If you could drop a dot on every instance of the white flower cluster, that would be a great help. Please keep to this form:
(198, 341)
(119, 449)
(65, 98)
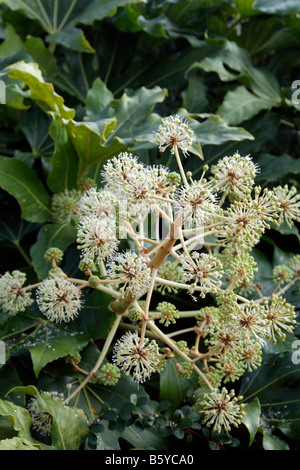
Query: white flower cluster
(174, 131)
(131, 272)
(230, 213)
(129, 354)
(59, 299)
(13, 297)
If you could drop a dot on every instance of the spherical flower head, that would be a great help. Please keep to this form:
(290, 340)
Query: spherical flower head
(174, 131)
(242, 268)
(225, 338)
(86, 265)
(226, 300)
(96, 238)
(104, 204)
(99, 203)
(245, 223)
(294, 265)
(54, 254)
(130, 270)
(235, 174)
(170, 271)
(132, 182)
(173, 178)
(280, 316)
(282, 274)
(13, 296)
(212, 375)
(204, 271)
(109, 374)
(230, 368)
(65, 205)
(206, 317)
(59, 299)
(136, 358)
(289, 203)
(184, 369)
(168, 313)
(41, 420)
(252, 321)
(197, 203)
(222, 410)
(119, 172)
(251, 354)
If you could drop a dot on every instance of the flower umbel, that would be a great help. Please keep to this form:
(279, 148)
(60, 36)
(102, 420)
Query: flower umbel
(289, 202)
(59, 299)
(131, 271)
(221, 410)
(130, 355)
(13, 297)
(280, 316)
(205, 272)
(174, 131)
(96, 238)
(235, 174)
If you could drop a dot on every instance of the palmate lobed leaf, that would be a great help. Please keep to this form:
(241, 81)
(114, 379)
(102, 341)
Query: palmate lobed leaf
(60, 17)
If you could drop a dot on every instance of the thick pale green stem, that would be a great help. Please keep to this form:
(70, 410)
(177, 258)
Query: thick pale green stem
(180, 353)
(101, 358)
(185, 181)
(147, 305)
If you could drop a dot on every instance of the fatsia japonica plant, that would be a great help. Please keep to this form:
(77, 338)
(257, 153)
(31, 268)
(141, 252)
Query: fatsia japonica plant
(182, 235)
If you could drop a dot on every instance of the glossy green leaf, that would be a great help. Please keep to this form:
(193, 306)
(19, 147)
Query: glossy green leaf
(215, 131)
(246, 7)
(71, 37)
(14, 231)
(16, 443)
(172, 387)
(274, 443)
(194, 96)
(231, 62)
(40, 91)
(252, 418)
(12, 42)
(275, 167)
(21, 422)
(52, 342)
(50, 235)
(23, 184)
(97, 99)
(60, 17)
(240, 105)
(41, 54)
(277, 6)
(95, 317)
(69, 425)
(89, 141)
(64, 161)
(275, 385)
(35, 127)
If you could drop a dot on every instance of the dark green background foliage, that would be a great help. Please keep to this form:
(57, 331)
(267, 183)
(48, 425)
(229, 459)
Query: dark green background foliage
(84, 81)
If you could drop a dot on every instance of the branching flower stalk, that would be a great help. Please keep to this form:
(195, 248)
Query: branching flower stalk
(201, 241)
